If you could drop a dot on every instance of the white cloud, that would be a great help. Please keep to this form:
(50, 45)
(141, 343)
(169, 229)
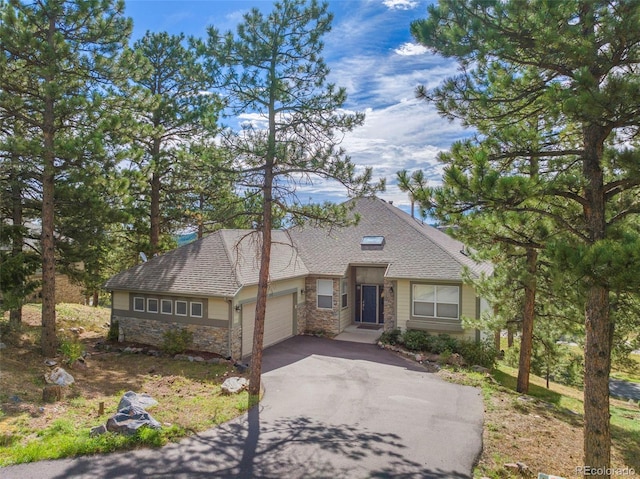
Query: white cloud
(400, 4)
(410, 49)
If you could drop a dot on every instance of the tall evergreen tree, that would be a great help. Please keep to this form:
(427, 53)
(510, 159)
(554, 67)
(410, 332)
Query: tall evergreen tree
(575, 62)
(61, 54)
(272, 69)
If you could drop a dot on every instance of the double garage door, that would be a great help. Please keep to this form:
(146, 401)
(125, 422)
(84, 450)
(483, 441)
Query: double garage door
(278, 324)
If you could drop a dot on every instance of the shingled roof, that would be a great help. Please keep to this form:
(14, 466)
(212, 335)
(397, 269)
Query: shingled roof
(227, 260)
(217, 265)
(411, 250)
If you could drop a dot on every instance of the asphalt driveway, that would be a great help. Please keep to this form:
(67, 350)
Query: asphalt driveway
(331, 410)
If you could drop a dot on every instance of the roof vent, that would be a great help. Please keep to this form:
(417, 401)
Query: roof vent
(372, 242)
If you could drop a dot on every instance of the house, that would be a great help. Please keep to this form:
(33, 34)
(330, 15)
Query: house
(390, 270)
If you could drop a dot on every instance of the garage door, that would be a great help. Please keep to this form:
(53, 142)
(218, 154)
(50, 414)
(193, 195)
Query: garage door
(278, 324)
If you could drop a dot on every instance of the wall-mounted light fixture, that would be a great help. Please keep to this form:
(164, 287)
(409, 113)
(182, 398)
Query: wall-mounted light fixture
(302, 291)
(238, 307)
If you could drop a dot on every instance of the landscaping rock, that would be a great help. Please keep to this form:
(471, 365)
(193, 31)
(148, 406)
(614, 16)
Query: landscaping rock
(217, 361)
(2, 345)
(60, 377)
(50, 362)
(241, 368)
(129, 419)
(520, 467)
(479, 369)
(142, 401)
(98, 430)
(234, 385)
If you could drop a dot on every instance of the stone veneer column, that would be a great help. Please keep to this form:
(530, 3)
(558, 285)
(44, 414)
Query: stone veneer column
(389, 305)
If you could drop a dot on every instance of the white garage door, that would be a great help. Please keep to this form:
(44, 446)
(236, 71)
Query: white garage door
(278, 324)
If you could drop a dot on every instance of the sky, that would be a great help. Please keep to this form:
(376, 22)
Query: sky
(371, 53)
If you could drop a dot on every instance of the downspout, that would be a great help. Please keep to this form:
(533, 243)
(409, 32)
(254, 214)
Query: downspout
(230, 319)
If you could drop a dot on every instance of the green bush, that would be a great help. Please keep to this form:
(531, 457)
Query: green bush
(176, 341)
(71, 350)
(415, 340)
(441, 343)
(393, 336)
(482, 353)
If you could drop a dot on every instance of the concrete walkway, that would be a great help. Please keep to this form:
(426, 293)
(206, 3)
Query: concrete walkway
(331, 409)
(355, 334)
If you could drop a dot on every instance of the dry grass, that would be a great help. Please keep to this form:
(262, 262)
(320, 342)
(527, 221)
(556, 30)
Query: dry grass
(188, 393)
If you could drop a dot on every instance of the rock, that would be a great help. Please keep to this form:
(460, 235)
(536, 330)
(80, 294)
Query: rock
(129, 419)
(98, 430)
(15, 399)
(197, 359)
(79, 363)
(479, 369)
(216, 361)
(2, 345)
(50, 362)
(419, 357)
(241, 368)
(521, 467)
(234, 385)
(60, 377)
(181, 357)
(52, 393)
(142, 401)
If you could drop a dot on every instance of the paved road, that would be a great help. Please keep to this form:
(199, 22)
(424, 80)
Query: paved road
(624, 389)
(331, 410)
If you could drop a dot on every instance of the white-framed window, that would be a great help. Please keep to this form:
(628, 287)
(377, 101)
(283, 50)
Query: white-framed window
(138, 303)
(166, 306)
(152, 305)
(344, 288)
(436, 301)
(325, 293)
(181, 308)
(196, 309)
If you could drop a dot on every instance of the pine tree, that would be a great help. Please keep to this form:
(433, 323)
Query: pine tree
(272, 69)
(576, 64)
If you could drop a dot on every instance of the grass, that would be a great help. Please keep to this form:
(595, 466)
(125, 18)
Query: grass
(188, 394)
(543, 429)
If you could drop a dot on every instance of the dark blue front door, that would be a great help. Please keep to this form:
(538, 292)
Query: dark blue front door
(369, 304)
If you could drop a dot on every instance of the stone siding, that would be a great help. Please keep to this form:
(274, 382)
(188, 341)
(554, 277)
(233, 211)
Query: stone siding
(389, 305)
(147, 331)
(325, 320)
(236, 343)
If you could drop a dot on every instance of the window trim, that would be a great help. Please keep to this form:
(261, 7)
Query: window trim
(318, 295)
(344, 293)
(143, 304)
(186, 308)
(163, 302)
(149, 310)
(191, 304)
(435, 316)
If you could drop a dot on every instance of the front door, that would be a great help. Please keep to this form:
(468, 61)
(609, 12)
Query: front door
(369, 304)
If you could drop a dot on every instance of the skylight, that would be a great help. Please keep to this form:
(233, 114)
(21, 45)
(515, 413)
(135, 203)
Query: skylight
(372, 242)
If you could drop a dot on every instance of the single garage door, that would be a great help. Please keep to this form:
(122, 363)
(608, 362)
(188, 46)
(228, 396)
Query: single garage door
(278, 323)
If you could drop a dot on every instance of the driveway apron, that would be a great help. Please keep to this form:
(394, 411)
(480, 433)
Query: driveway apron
(331, 410)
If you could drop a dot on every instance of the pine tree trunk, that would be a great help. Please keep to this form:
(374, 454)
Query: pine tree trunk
(528, 316)
(154, 217)
(49, 341)
(17, 237)
(263, 285)
(598, 327)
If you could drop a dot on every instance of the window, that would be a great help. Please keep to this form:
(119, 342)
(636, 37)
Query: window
(433, 301)
(152, 305)
(325, 293)
(138, 304)
(166, 306)
(181, 308)
(196, 310)
(344, 286)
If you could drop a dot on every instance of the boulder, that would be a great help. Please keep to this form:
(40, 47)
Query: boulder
(479, 369)
(98, 430)
(60, 377)
(129, 419)
(234, 385)
(142, 401)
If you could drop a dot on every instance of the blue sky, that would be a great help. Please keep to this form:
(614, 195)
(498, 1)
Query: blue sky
(371, 53)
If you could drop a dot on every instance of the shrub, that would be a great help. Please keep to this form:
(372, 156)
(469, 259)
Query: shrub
(415, 340)
(71, 350)
(441, 343)
(391, 337)
(482, 353)
(176, 341)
